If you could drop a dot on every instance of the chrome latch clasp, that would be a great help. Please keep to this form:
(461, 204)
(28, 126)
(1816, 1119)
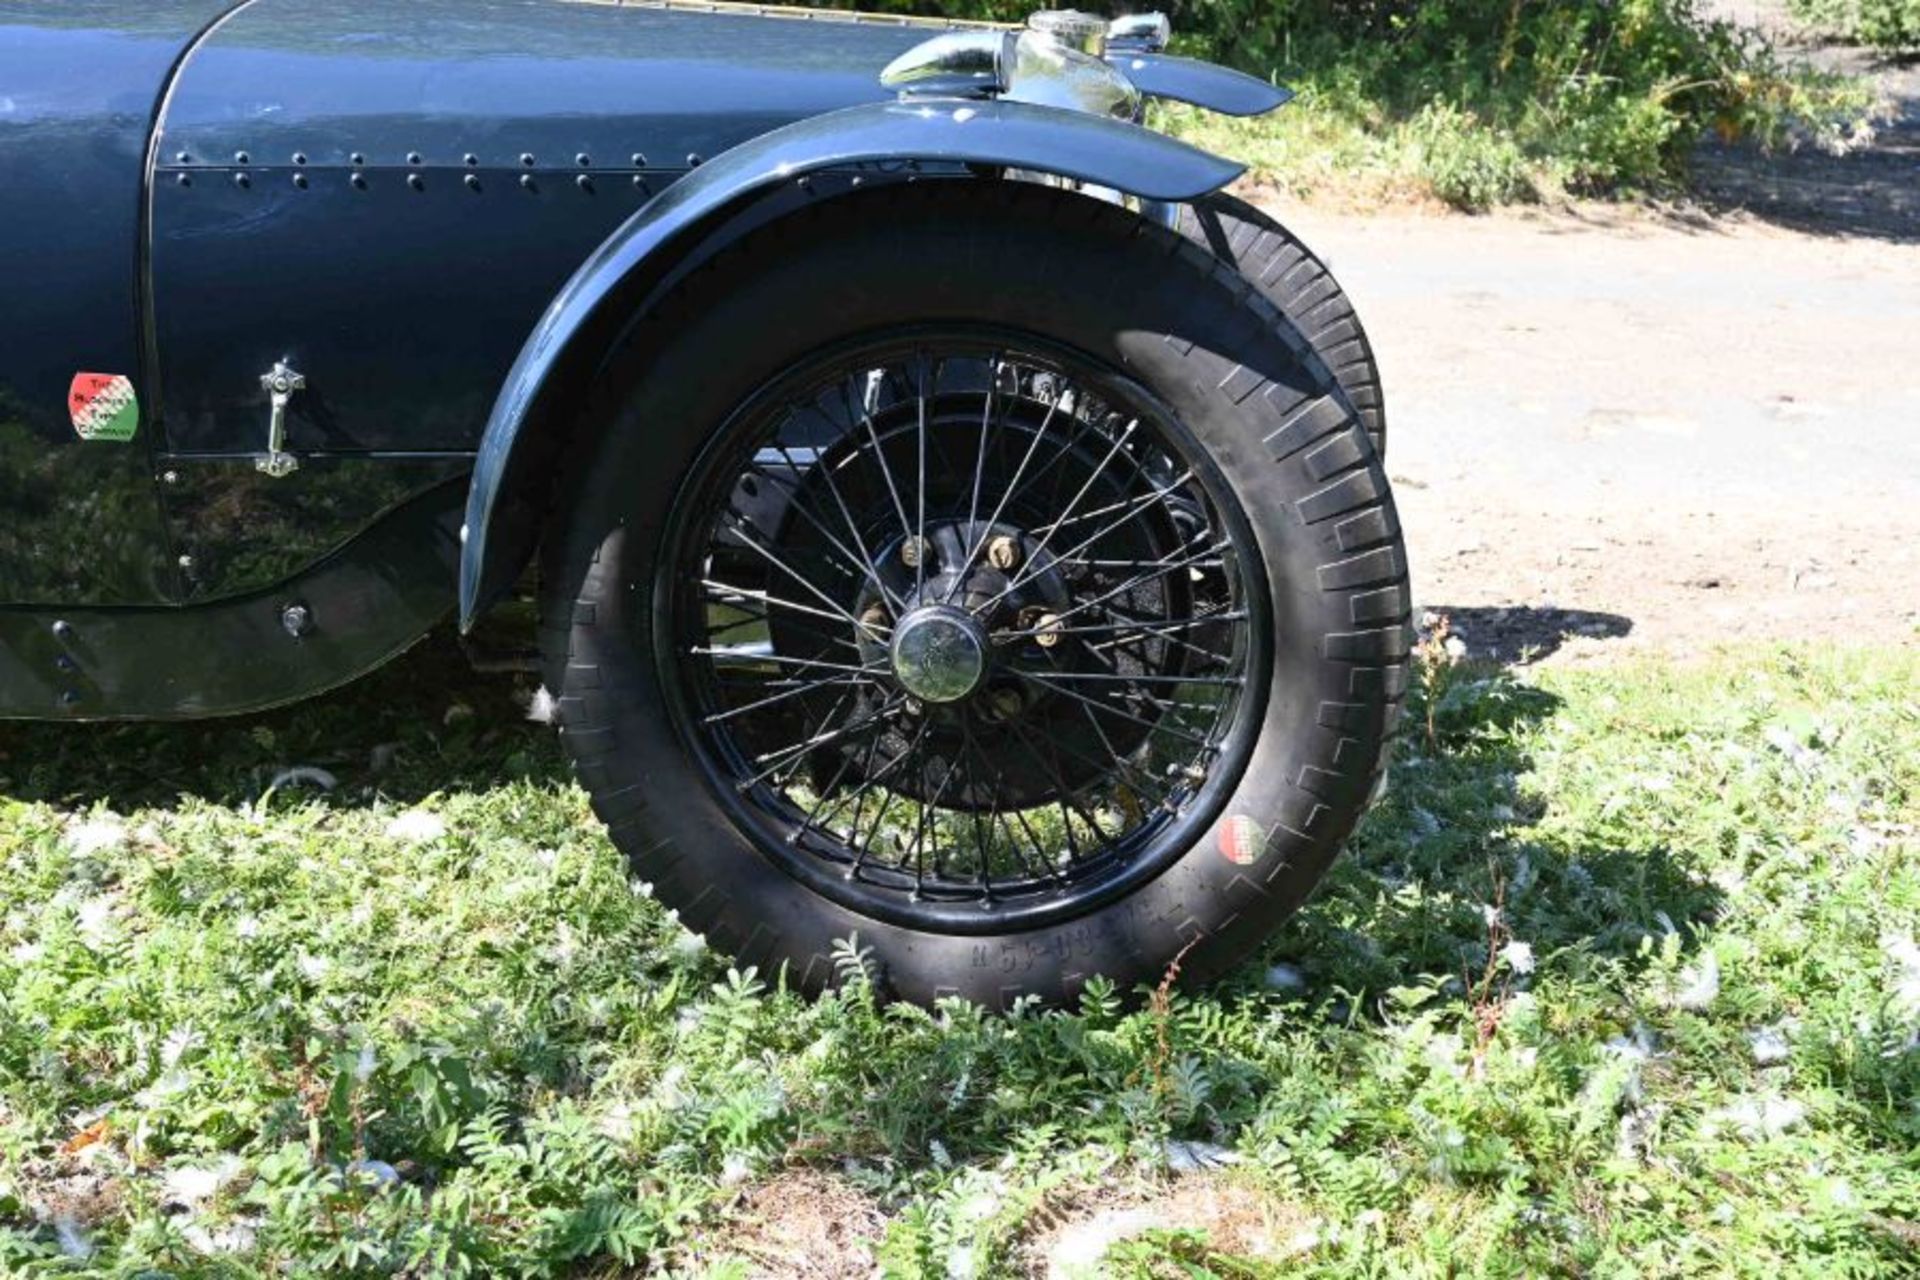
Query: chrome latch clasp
(280, 383)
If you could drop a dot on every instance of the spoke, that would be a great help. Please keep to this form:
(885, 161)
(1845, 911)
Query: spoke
(980, 540)
(1039, 845)
(1143, 778)
(866, 847)
(825, 469)
(1125, 505)
(1139, 505)
(796, 750)
(1133, 582)
(740, 528)
(1131, 564)
(1161, 704)
(837, 636)
(817, 820)
(1119, 677)
(1159, 726)
(982, 843)
(1127, 623)
(929, 825)
(979, 472)
(862, 560)
(784, 779)
(1042, 545)
(730, 591)
(846, 763)
(1132, 644)
(1041, 869)
(1116, 759)
(706, 651)
(1064, 796)
(986, 430)
(794, 692)
(886, 471)
(920, 527)
(1081, 429)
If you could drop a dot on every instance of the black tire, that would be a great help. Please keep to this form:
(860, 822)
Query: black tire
(1302, 289)
(1325, 551)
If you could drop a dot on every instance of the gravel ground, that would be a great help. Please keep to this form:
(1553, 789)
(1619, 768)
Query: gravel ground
(1615, 430)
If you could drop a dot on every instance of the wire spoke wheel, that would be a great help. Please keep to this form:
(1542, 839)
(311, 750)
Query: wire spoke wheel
(963, 627)
(978, 571)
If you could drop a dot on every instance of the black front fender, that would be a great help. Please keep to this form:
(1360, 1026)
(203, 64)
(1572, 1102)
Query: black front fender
(502, 521)
(1200, 84)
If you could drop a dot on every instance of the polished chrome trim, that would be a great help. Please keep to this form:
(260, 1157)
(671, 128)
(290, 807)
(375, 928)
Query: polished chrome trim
(280, 383)
(1140, 33)
(797, 13)
(1031, 67)
(1071, 29)
(960, 64)
(1050, 74)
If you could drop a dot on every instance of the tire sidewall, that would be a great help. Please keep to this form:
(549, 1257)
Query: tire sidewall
(1125, 301)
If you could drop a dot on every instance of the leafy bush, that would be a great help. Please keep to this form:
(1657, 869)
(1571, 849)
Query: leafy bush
(1485, 102)
(1892, 25)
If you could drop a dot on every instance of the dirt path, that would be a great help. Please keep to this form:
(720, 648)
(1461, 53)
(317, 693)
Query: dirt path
(1615, 430)
(1646, 432)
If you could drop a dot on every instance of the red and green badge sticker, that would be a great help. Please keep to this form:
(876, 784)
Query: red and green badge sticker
(1242, 842)
(103, 407)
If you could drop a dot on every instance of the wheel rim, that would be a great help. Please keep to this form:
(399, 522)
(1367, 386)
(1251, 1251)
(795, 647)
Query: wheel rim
(965, 629)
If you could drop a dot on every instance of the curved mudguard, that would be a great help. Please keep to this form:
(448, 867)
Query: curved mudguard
(501, 529)
(1201, 84)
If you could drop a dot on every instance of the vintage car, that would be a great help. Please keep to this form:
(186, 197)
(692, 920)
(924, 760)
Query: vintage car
(958, 528)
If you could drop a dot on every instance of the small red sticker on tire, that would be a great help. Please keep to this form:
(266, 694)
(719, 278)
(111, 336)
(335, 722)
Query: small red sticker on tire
(1242, 841)
(103, 406)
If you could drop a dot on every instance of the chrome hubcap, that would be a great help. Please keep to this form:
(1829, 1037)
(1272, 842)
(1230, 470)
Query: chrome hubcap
(939, 653)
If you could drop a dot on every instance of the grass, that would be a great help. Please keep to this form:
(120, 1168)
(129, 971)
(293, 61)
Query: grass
(1621, 979)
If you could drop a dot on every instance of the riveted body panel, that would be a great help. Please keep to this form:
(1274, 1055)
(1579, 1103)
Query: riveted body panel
(403, 304)
(388, 196)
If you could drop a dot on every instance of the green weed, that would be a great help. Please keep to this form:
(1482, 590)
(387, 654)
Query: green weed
(1620, 978)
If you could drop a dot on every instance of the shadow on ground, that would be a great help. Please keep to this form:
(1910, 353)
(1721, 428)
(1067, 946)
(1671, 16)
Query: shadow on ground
(1409, 898)
(427, 722)
(1450, 865)
(1520, 634)
(1872, 190)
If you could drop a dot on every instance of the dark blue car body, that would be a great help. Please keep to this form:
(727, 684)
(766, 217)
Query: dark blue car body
(436, 212)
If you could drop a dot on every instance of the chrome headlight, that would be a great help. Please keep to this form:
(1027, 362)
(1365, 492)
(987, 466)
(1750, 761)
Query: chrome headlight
(959, 64)
(1053, 74)
(1140, 33)
(1072, 29)
(1054, 63)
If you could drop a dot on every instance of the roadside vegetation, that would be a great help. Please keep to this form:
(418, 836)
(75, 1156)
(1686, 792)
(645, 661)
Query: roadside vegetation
(1892, 26)
(1622, 978)
(1477, 104)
